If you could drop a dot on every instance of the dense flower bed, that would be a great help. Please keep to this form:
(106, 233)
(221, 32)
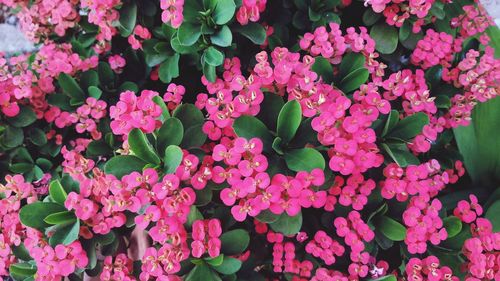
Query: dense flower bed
(247, 140)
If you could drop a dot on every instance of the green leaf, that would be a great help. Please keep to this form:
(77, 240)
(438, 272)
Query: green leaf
(21, 252)
(224, 11)
(386, 38)
(234, 242)
(165, 114)
(323, 68)
(194, 137)
(453, 226)
(223, 37)
(212, 56)
(189, 115)
(22, 269)
(209, 72)
(12, 137)
(128, 18)
(267, 216)
(289, 120)
(493, 215)
(194, 214)
(170, 133)
(370, 17)
(479, 145)
(70, 87)
(390, 228)
(250, 127)
(37, 136)
(33, 214)
(409, 127)
(391, 122)
(215, 261)
(169, 68)
(270, 109)
(201, 272)
(353, 80)
(253, 31)
(141, 147)
(228, 266)
(405, 31)
(121, 165)
(351, 62)
(57, 192)
(172, 159)
(400, 154)
(25, 117)
(188, 33)
(65, 234)
(94, 92)
(106, 74)
(288, 225)
(389, 277)
(64, 217)
(304, 159)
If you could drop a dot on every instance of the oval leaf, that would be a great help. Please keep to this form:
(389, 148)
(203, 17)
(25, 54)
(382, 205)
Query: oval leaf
(288, 225)
(304, 159)
(386, 37)
(172, 159)
(390, 228)
(33, 214)
(57, 192)
(123, 165)
(141, 147)
(289, 120)
(234, 242)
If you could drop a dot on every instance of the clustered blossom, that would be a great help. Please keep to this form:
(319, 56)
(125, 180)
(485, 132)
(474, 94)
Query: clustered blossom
(428, 269)
(86, 117)
(324, 247)
(435, 49)
(133, 111)
(55, 263)
(397, 12)
(250, 10)
(205, 234)
(32, 84)
(425, 179)
(468, 212)
(39, 19)
(103, 14)
(475, 20)
(478, 76)
(482, 252)
(172, 12)
(354, 231)
(13, 232)
(117, 268)
(140, 34)
(424, 224)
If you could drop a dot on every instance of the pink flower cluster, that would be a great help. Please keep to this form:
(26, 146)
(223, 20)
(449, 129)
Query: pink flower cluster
(103, 14)
(161, 264)
(475, 20)
(205, 234)
(424, 224)
(140, 34)
(396, 12)
(477, 75)
(172, 12)
(135, 112)
(41, 18)
(117, 268)
(21, 84)
(86, 117)
(428, 269)
(250, 10)
(58, 262)
(324, 247)
(354, 231)
(13, 232)
(482, 252)
(468, 212)
(436, 49)
(333, 45)
(425, 180)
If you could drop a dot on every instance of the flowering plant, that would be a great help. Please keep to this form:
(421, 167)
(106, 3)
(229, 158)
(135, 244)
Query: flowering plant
(251, 140)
